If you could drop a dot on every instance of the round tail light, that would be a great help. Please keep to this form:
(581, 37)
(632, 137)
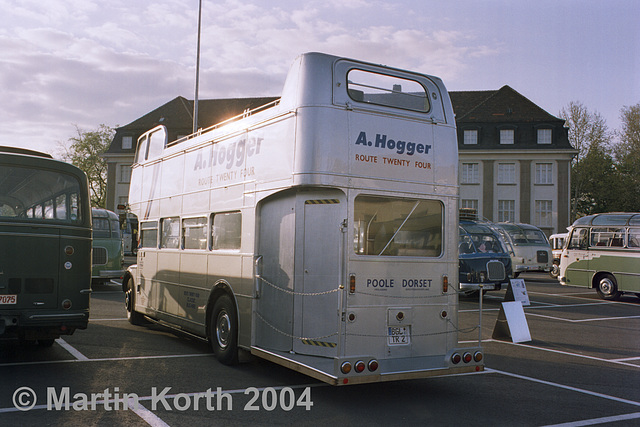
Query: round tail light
(345, 367)
(467, 357)
(359, 366)
(373, 365)
(456, 358)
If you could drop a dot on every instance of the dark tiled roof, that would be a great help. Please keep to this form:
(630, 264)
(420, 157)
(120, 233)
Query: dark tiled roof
(177, 116)
(502, 105)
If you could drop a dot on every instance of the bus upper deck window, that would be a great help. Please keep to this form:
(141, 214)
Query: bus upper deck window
(386, 90)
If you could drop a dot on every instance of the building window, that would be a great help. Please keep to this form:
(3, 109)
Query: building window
(506, 173)
(543, 213)
(125, 173)
(506, 210)
(470, 137)
(544, 136)
(127, 142)
(470, 174)
(544, 173)
(469, 204)
(506, 136)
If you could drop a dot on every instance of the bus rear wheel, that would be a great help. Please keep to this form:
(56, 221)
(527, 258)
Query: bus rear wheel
(223, 331)
(607, 288)
(134, 317)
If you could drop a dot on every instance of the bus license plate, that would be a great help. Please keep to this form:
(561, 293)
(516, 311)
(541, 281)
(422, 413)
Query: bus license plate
(399, 335)
(8, 299)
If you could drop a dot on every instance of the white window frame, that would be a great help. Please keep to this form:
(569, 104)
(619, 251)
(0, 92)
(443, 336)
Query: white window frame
(127, 142)
(469, 204)
(506, 211)
(543, 213)
(544, 174)
(545, 136)
(506, 173)
(125, 174)
(507, 136)
(470, 173)
(471, 137)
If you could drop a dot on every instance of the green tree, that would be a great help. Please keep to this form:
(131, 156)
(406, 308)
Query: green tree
(592, 170)
(85, 151)
(627, 153)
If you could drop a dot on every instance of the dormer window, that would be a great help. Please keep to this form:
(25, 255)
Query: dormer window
(506, 136)
(470, 137)
(127, 142)
(544, 136)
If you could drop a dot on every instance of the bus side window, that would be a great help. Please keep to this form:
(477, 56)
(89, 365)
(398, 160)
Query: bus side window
(149, 235)
(634, 238)
(170, 233)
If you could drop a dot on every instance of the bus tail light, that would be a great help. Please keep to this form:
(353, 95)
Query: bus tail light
(477, 356)
(445, 284)
(66, 304)
(359, 367)
(345, 367)
(456, 358)
(352, 284)
(467, 357)
(373, 365)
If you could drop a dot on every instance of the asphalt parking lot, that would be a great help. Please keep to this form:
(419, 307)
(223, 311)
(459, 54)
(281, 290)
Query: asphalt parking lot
(582, 367)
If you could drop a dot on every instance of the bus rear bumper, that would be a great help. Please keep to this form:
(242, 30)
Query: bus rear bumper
(41, 326)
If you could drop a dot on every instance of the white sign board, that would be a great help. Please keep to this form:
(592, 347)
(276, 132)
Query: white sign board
(520, 291)
(518, 327)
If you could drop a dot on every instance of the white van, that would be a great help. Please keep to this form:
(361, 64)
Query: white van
(527, 245)
(557, 242)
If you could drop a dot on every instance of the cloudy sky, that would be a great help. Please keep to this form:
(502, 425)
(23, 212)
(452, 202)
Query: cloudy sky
(87, 62)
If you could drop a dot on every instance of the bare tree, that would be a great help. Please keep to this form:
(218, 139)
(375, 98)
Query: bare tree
(85, 151)
(589, 134)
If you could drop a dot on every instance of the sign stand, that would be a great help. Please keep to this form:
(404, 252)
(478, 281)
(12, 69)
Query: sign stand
(511, 324)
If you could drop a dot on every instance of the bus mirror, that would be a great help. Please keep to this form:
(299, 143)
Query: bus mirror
(123, 220)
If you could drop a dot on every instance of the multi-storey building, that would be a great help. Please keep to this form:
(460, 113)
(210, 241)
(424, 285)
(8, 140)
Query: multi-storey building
(514, 157)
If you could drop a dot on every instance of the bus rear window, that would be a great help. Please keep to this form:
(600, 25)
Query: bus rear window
(387, 226)
(30, 193)
(390, 91)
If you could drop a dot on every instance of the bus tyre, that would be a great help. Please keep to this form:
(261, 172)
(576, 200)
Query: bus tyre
(46, 342)
(607, 288)
(223, 331)
(134, 317)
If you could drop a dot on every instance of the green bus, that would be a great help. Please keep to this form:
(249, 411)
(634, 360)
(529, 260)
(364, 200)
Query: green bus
(108, 250)
(603, 252)
(45, 247)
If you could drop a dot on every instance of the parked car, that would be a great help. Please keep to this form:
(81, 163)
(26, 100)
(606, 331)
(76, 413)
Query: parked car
(527, 245)
(557, 243)
(483, 258)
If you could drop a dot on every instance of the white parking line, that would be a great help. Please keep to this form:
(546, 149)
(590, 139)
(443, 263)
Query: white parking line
(602, 420)
(105, 359)
(566, 353)
(75, 353)
(595, 319)
(566, 387)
